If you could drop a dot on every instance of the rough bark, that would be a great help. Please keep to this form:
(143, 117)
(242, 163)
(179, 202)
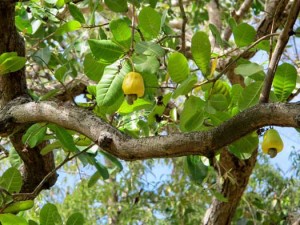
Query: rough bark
(127, 148)
(221, 212)
(12, 86)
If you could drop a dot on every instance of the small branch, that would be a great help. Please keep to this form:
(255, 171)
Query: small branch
(238, 15)
(278, 51)
(227, 68)
(37, 190)
(183, 26)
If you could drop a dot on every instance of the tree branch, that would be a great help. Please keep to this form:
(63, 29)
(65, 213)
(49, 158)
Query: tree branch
(238, 15)
(280, 46)
(124, 147)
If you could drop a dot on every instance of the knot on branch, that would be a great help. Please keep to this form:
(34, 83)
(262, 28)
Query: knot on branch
(105, 140)
(8, 125)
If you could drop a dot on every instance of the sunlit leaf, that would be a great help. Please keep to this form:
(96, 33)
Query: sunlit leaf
(105, 50)
(121, 32)
(244, 147)
(49, 215)
(248, 69)
(64, 137)
(201, 50)
(76, 13)
(244, 34)
(250, 95)
(93, 69)
(109, 88)
(10, 219)
(34, 134)
(12, 64)
(284, 81)
(75, 219)
(178, 67)
(70, 26)
(192, 115)
(11, 180)
(149, 21)
(186, 86)
(117, 5)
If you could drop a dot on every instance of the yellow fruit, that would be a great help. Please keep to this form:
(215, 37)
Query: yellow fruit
(133, 86)
(272, 143)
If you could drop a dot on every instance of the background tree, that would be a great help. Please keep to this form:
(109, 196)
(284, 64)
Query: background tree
(204, 99)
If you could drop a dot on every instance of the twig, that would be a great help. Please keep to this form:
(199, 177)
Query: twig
(280, 46)
(184, 22)
(22, 196)
(236, 59)
(237, 16)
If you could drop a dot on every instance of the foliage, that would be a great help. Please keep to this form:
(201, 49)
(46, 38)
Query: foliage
(102, 41)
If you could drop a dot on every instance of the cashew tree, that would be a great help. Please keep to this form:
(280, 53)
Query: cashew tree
(98, 82)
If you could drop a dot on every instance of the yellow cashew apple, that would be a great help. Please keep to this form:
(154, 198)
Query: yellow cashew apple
(133, 86)
(272, 143)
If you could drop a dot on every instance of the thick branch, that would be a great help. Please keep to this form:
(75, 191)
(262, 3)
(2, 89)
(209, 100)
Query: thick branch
(127, 148)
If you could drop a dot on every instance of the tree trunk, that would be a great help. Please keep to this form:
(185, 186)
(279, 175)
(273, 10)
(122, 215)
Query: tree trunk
(235, 174)
(13, 85)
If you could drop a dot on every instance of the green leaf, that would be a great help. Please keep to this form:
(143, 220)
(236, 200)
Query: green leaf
(244, 34)
(244, 147)
(146, 64)
(219, 196)
(42, 56)
(75, 219)
(250, 95)
(50, 147)
(76, 13)
(201, 51)
(49, 95)
(11, 180)
(139, 104)
(100, 168)
(49, 215)
(12, 64)
(60, 73)
(121, 32)
(192, 115)
(236, 92)
(105, 50)
(93, 69)
(94, 178)
(248, 69)
(23, 25)
(70, 26)
(284, 81)
(158, 110)
(109, 88)
(34, 134)
(149, 48)
(215, 32)
(64, 137)
(113, 159)
(7, 55)
(186, 86)
(297, 31)
(195, 168)
(10, 219)
(149, 22)
(117, 5)
(178, 67)
(219, 102)
(219, 117)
